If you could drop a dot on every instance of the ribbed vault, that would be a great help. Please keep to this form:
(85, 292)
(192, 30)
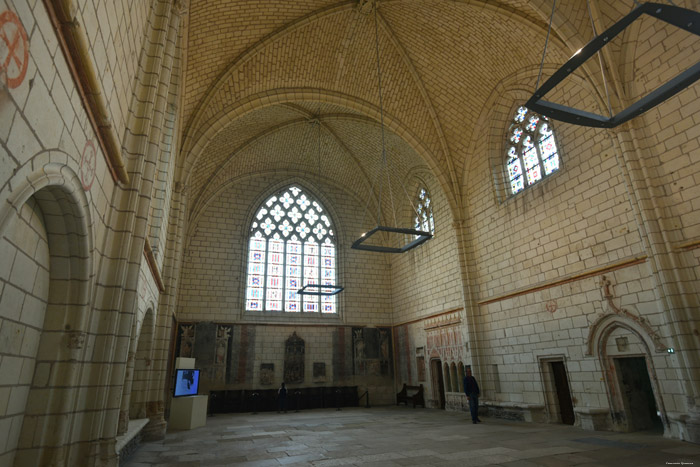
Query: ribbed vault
(271, 66)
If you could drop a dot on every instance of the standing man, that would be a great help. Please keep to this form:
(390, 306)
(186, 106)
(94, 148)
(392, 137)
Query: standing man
(282, 399)
(471, 389)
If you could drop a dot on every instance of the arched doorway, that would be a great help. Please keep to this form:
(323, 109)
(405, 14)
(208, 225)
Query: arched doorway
(143, 362)
(624, 348)
(142, 330)
(437, 382)
(46, 251)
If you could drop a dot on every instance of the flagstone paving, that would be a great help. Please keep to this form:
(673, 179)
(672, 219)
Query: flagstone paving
(398, 436)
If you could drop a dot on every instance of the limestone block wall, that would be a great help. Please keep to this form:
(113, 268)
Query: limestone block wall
(24, 282)
(521, 334)
(427, 279)
(115, 31)
(52, 165)
(212, 287)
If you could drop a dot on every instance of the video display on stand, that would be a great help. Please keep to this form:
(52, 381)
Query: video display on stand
(186, 383)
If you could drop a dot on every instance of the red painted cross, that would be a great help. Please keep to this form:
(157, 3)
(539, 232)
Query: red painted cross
(14, 38)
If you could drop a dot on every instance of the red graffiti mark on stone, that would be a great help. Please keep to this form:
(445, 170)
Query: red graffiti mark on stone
(551, 306)
(88, 165)
(14, 49)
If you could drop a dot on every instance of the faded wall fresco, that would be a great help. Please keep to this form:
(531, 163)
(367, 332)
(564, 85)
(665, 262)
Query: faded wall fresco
(294, 353)
(372, 353)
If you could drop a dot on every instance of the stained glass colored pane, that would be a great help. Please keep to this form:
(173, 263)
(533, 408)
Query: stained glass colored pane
(274, 282)
(531, 150)
(275, 270)
(532, 123)
(293, 284)
(423, 220)
(311, 249)
(514, 169)
(551, 164)
(530, 158)
(279, 263)
(254, 293)
(255, 281)
(293, 247)
(256, 256)
(516, 135)
(328, 304)
(311, 273)
(533, 175)
(276, 258)
(516, 184)
(256, 268)
(548, 147)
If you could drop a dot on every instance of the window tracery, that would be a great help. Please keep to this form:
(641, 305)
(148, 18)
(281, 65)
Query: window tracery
(291, 245)
(532, 153)
(423, 219)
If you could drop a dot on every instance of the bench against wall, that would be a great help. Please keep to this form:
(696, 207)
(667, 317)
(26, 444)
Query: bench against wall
(413, 394)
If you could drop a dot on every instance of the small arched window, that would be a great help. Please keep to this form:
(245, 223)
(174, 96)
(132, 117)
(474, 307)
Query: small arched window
(423, 219)
(531, 153)
(291, 245)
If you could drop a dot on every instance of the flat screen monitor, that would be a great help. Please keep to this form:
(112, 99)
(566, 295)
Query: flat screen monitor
(186, 383)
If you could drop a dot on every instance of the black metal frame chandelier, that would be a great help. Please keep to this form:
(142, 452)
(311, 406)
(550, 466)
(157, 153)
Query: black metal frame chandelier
(320, 289)
(420, 236)
(682, 18)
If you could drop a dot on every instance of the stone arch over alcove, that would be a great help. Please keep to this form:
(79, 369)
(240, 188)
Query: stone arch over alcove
(620, 335)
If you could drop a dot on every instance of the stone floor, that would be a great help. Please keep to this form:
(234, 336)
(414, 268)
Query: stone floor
(387, 436)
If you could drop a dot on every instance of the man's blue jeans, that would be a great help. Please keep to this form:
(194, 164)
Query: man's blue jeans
(474, 406)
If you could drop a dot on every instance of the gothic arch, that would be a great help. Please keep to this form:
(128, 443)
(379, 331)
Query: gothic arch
(598, 340)
(53, 401)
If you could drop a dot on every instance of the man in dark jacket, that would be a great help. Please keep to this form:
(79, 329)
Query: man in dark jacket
(471, 389)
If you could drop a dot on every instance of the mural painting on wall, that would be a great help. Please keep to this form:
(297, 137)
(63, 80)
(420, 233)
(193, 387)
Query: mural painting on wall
(420, 363)
(186, 340)
(267, 373)
(223, 337)
(294, 352)
(372, 351)
(319, 372)
(447, 342)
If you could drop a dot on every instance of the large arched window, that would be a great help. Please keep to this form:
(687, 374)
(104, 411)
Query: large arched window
(532, 150)
(291, 245)
(423, 219)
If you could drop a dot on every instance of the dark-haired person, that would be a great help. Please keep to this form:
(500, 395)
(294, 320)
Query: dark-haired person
(471, 389)
(282, 399)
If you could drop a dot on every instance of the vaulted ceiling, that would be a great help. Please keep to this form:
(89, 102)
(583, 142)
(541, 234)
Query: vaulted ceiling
(257, 72)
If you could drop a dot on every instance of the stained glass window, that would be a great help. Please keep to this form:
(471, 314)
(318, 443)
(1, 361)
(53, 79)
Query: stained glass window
(423, 219)
(531, 152)
(291, 245)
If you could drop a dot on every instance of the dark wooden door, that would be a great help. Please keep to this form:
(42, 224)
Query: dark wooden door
(635, 386)
(561, 382)
(436, 373)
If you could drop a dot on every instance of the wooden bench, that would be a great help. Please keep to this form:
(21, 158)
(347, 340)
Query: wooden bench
(412, 394)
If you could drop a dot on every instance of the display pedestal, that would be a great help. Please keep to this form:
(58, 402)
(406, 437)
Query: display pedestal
(188, 412)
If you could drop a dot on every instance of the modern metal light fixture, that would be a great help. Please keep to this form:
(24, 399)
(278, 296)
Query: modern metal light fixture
(682, 18)
(418, 235)
(320, 289)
